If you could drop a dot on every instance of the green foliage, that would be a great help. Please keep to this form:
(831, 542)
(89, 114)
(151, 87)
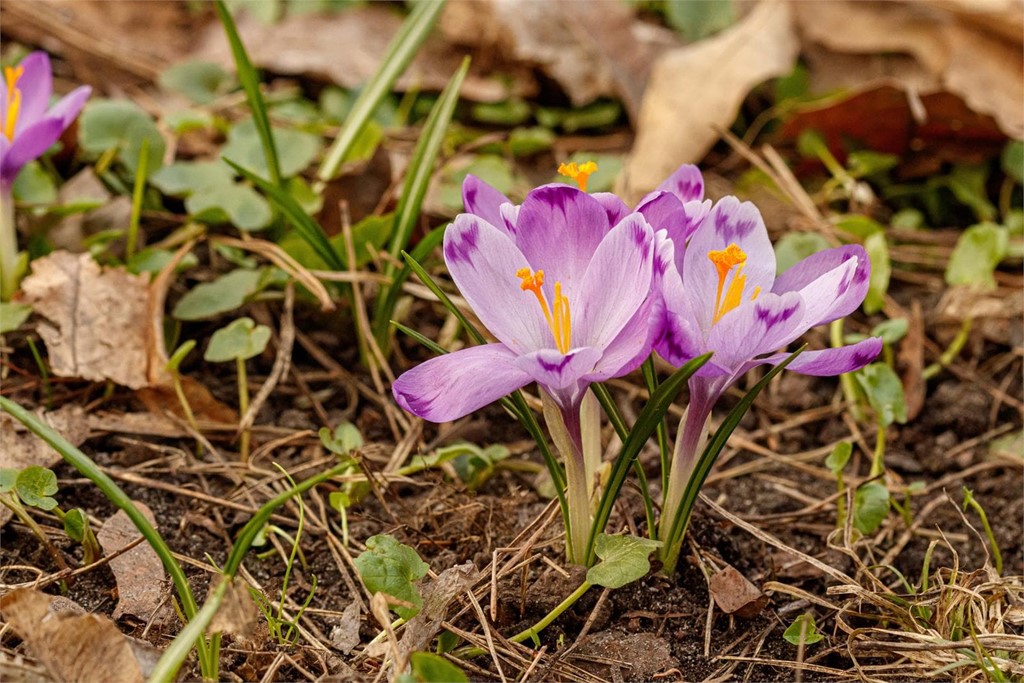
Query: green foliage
(390, 567)
(34, 185)
(864, 163)
(1012, 160)
(794, 247)
(803, 625)
(977, 253)
(12, 315)
(120, 125)
(870, 506)
(8, 478)
(523, 142)
(884, 392)
(881, 269)
(497, 171)
(226, 293)
(184, 178)
(598, 115)
(839, 457)
(624, 559)
(35, 487)
(202, 82)
(343, 440)
(153, 260)
(891, 331)
(968, 185)
(697, 19)
(187, 120)
(76, 525)
(368, 236)
(237, 204)
(240, 340)
(426, 667)
(296, 149)
(859, 226)
(509, 113)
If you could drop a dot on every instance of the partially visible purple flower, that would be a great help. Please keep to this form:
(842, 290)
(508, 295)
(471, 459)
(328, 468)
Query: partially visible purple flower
(28, 124)
(564, 288)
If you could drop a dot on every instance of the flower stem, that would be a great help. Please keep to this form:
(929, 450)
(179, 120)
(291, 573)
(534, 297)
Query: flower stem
(564, 426)
(8, 245)
(243, 407)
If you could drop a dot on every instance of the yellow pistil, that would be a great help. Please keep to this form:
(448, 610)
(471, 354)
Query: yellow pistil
(11, 75)
(725, 260)
(578, 172)
(558, 318)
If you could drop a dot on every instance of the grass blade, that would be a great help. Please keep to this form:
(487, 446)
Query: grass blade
(401, 50)
(646, 423)
(417, 178)
(250, 81)
(307, 228)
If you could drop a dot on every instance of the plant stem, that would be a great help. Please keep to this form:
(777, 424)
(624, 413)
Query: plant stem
(12, 504)
(846, 380)
(878, 461)
(137, 191)
(243, 407)
(8, 245)
(950, 354)
(577, 486)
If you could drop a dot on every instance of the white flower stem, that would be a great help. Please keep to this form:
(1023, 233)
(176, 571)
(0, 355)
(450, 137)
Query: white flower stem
(564, 426)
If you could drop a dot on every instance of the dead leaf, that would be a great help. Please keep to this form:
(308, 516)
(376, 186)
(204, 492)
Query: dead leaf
(140, 576)
(237, 613)
(345, 48)
(735, 594)
(74, 646)
(952, 49)
(345, 633)
(642, 655)
(696, 88)
(97, 318)
(20, 448)
(422, 628)
(162, 399)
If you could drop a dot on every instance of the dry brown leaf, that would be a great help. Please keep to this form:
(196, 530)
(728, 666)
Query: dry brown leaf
(953, 50)
(237, 613)
(20, 448)
(345, 48)
(646, 655)
(735, 594)
(422, 628)
(74, 646)
(696, 88)
(140, 576)
(97, 318)
(345, 633)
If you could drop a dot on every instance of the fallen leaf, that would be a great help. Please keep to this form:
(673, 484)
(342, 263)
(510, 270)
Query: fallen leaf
(735, 594)
(237, 613)
(74, 646)
(422, 628)
(345, 633)
(97, 318)
(642, 655)
(20, 448)
(697, 88)
(140, 576)
(345, 48)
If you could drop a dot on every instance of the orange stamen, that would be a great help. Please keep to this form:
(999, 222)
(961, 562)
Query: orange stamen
(11, 75)
(578, 172)
(724, 261)
(558, 317)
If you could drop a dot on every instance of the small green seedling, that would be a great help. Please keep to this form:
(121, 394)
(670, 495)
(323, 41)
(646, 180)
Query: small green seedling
(803, 630)
(425, 667)
(970, 502)
(390, 567)
(172, 367)
(344, 442)
(35, 486)
(239, 341)
(836, 462)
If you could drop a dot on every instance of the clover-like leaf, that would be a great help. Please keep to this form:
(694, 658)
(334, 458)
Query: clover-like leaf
(343, 440)
(35, 486)
(390, 567)
(870, 506)
(837, 459)
(75, 524)
(427, 667)
(8, 478)
(124, 126)
(224, 294)
(977, 253)
(884, 390)
(624, 559)
(183, 178)
(237, 204)
(803, 629)
(202, 82)
(240, 340)
(296, 149)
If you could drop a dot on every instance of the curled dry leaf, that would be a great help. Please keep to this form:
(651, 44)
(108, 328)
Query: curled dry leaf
(74, 646)
(735, 594)
(345, 633)
(141, 580)
(696, 89)
(20, 448)
(422, 628)
(237, 614)
(97, 318)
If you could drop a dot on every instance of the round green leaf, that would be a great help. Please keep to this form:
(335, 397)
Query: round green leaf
(795, 247)
(35, 485)
(202, 82)
(121, 125)
(623, 560)
(224, 294)
(296, 149)
(183, 178)
(870, 506)
(241, 339)
(390, 567)
(237, 204)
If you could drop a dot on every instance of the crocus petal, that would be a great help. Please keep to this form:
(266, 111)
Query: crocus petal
(632, 345)
(616, 208)
(452, 386)
(757, 327)
(617, 281)
(828, 362)
(560, 374)
(664, 211)
(679, 336)
(29, 144)
(832, 282)
(483, 261)
(686, 183)
(36, 86)
(67, 109)
(730, 222)
(558, 229)
(480, 199)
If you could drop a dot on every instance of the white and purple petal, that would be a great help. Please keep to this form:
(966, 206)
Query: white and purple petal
(756, 327)
(833, 282)
(36, 86)
(828, 362)
(449, 387)
(615, 207)
(686, 183)
(480, 199)
(483, 261)
(29, 144)
(561, 374)
(70, 105)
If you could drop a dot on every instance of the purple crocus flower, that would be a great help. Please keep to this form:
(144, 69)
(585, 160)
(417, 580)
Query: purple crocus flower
(28, 127)
(566, 287)
(29, 124)
(723, 296)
